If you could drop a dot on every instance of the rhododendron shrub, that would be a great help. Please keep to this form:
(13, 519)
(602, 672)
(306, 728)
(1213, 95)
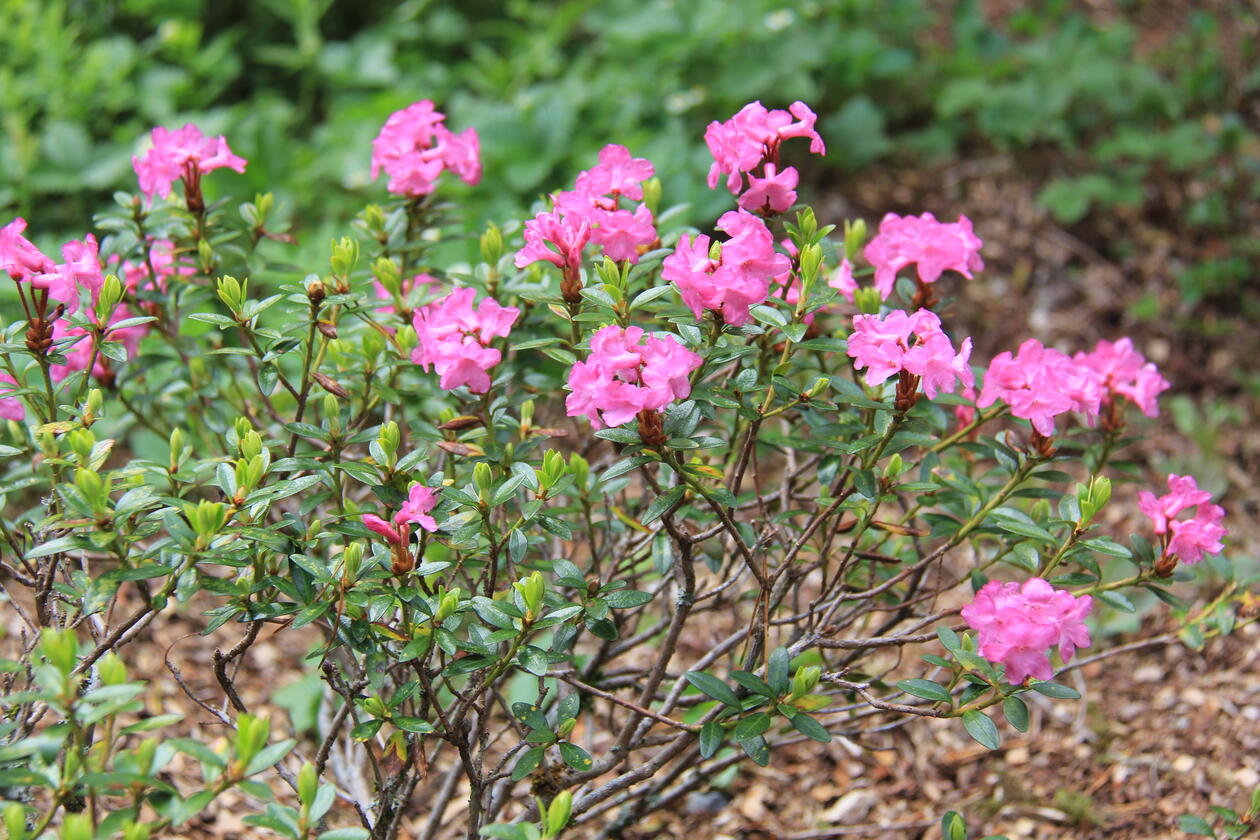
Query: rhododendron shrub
(554, 536)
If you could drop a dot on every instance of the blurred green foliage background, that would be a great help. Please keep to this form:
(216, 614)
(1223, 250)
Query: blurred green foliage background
(1098, 101)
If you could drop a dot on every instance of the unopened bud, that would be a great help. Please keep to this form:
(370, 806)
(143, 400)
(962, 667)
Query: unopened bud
(387, 274)
(652, 194)
(492, 245)
(315, 291)
(868, 300)
(854, 237)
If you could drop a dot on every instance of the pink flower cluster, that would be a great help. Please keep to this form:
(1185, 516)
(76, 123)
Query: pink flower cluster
(414, 511)
(750, 141)
(62, 281)
(557, 239)
(454, 338)
(1191, 538)
(883, 346)
(79, 352)
(733, 281)
(414, 147)
(627, 372)
(1040, 383)
(165, 264)
(593, 212)
(1121, 371)
(184, 153)
(426, 283)
(11, 408)
(1017, 625)
(933, 247)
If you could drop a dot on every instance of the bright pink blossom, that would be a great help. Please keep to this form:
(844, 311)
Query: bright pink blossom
(934, 247)
(1191, 538)
(425, 282)
(1183, 494)
(454, 338)
(555, 238)
(414, 511)
(18, 256)
(842, 280)
(774, 193)
(414, 147)
(79, 352)
(11, 408)
(596, 202)
(752, 137)
(627, 372)
(738, 279)
(1121, 371)
(884, 347)
(81, 270)
(1017, 625)
(1040, 383)
(618, 173)
(181, 153)
(165, 265)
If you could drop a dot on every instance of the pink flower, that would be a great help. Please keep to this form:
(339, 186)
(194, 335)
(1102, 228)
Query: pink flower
(182, 153)
(11, 408)
(81, 270)
(415, 146)
(79, 353)
(1039, 384)
(883, 346)
(414, 511)
(165, 265)
(18, 256)
(1121, 371)
(596, 202)
(933, 246)
(1192, 538)
(774, 193)
(738, 279)
(454, 338)
(1184, 493)
(752, 137)
(555, 238)
(628, 372)
(620, 233)
(616, 174)
(842, 280)
(426, 282)
(1017, 625)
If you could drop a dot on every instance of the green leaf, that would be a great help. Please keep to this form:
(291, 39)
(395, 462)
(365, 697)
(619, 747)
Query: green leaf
(662, 503)
(413, 724)
(1116, 601)
(1056, 690)
(626, 598)
(345, 834)
(575, 756)
(752, 726)
(926, 689)
(758, 750)
(1194, 824)
(710, 738)
(981, 727)
(1016, 712)
(527, 762)
(366, 729)
(753, 683)
(777, 672)
(713, 687)
(810, 728)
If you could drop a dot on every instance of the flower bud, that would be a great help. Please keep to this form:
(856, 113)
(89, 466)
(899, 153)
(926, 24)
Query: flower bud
(527, 416)
(483, 477)
(205, 253)
(854, 237)
(387, 274)
(232, 292)
(110, 296)
(390, 437)
(308, 784)
(315, 291)
(375, 707)
(558, 813)
(345, 255)
(652, 194)
(868, 300)
(352, 560)
(566, 727)
(95, 401)
(715, 251)
(374, 218)
(177, 449)
(492, 245)
(580, 468)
